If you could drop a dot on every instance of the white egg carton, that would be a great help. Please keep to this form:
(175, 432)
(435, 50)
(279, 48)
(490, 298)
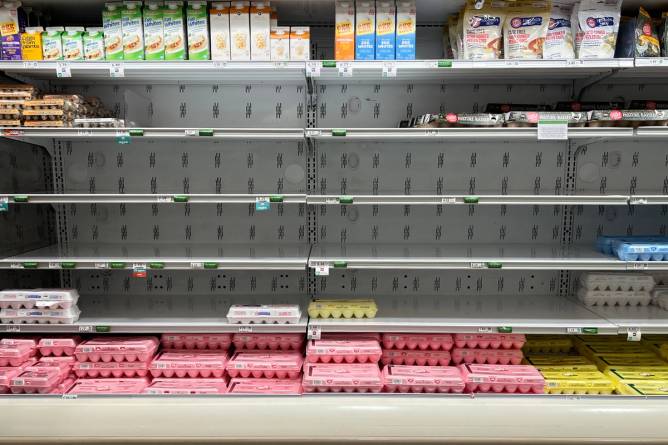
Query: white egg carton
(39, 316)
(661, 279)
(614, 298)
(660, 297)
(617, 281)
(38, 298)
(264, 313)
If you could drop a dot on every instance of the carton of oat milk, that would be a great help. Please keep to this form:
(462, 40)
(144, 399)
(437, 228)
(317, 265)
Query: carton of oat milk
(280, 43)
(260, 24)
(219, 21)
(240, 30)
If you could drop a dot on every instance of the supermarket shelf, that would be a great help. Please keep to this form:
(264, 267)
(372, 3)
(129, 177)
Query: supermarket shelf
(646, 319)
(477, 199)
(425, 134)
(652, 132)
(406, 418)
(194, 134)
(46, 198)
(455, 256)
(523, 314)
(162, 256)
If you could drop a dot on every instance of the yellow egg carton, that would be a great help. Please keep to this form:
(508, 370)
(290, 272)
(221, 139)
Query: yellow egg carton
(660, 348)
(595, 350)
(637, 373)
(321, 308)
(547, 344)
(556, 360)
(643, 387)
(616, 360)
(567, 368)
(592, 382)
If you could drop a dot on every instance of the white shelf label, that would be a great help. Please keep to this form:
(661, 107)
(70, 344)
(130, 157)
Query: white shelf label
(63, 69)
(449, 200)
(389, 69)
(197, 265)
(637, 266)
(574, 62)
(102, 265)
(321, 269)
(633, 334)
(85, 132)
(431, 132)
(478, 265)
(280, 65)
(331, 200)
(313, 69)
(486, 330)
(552, 130)
(345, 69)
(54, 265)
(191, 132)
(219, 64)
(87, 329)
(69, 396)
(117, 69)
(245, 329)
(652, 61)
(314, 332)
(33, 64)
(16, 266)
(312, 133)
(163, 198)
(638, 201)
(574, 330)
(13, 328)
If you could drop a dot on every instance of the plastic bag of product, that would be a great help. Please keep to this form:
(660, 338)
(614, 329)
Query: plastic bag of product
(664, 34)
(559, 37)
(626, 38)
(445, 39)
(646, 38)
(453, 37)
(483, 30)
(576, 31)
(459, 34)
(599, 23)
(525, 28)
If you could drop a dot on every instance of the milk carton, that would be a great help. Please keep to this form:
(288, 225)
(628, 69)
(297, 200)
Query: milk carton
(73, 43)
(260, 23)
(300, 43)
(52, 43)
(10, 31)
(31, 43)
(240, 31)
(93, 44)
(406, 23)
(174, 28)
(113, 30)
(154, 30)
(365, 30)
(280, 43)
(344, 30)
(385, 30)
(133, 31)
(219, 20)
(198, 30)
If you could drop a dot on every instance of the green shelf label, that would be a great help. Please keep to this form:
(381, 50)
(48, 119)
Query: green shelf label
(445, 63)
(21, 198)
(117, 265)
(206, 132)
(345, 200)
(210, 265)
(30, 265)
(338, 132)
(329, 63)
(276, 198)
(340, 264)
(504, 329)
(68, 265)
(590, 330)
(471, 199)
(102, 329)
(180, 198)
(494, 265)
(136, 132)
(156, 265)
(123, 139)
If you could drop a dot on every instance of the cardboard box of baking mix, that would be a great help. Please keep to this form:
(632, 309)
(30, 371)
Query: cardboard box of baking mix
(344, 30)
(365, 30)
(219, 22)
(406, 26)
(385, 30)
(300, 43)
(240, 31)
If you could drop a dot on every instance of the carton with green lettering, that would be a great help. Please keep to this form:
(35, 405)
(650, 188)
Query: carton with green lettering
(93, 44)
(154, 32)
(73, 43)
(113, 30)
(52, 43)
(133, 31)
(175, 38)
(198, 31)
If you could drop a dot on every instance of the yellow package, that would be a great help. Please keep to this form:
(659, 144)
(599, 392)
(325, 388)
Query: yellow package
(643, 387)
(342, 308)
(525, 29)
(660, 348)
(567, 368)
(547, 344)
(557, 360)
(616, 360)
(593, 350)
(31, 43)
(592, 382)
(637, 373)
(482, 31)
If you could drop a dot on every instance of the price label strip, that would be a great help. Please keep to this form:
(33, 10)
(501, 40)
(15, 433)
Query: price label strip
(262, 204)
(345, 69)
(117, 69)
(552, 130)
(633, 334)
(321, 269)
(4, 204)
(314, 332)
(63, 69)
(389, 69)
(313, 69)
(139, 271)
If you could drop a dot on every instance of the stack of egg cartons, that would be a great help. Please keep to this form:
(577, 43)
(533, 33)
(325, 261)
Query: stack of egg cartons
(502, 378)
(643, 379)
(56, 306)
(12, 99)
(660, 292)
(343, 362)
(615, 289)
(491, 349)
(190, 364)
(108, 364)
(15, 357)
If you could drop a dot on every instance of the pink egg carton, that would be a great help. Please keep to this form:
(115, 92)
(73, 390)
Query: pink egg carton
(117, 349)
(38, 298)
(415, 357)
(7, 373)
(266, 386)
(284, 342)
(423, 379)
(498, 378)
(267, 364)
(43, 381)
(493, 341)
(69, 360)
(196, 341)
(64, 386)
(351, 336)
(489, 356)
(356, 377)
(110, 369)
(418, 341)
(109, 386)
(187, 386)
(62, 368)
(189, 363)
(14, 355)
(340, 351)
(12, 341)
(58, 346)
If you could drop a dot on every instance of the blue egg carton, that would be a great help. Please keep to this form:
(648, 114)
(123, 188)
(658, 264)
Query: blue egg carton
(641, 250)
(607, 243)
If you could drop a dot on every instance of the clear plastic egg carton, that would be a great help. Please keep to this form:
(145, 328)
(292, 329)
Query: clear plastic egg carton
(547, 344)
(266, 386)
(117, 349)
(660, 297)
(41, 381)
(487, 356)
(610, 281)
(340, 351)
(98, 122)
(614, 298)
(493, 341)
(265, 364)
(326, 377)
(187, 386)
(429, 379)
(415, 357)
(39, 316)
(422, 342)
(58, 346)
(196, 341)
(284, 342)
(95, 370)
(189, 363)
(39, 298)
(15, 354)
(264, 313)
(326, 308)
(109, 386)
(496, 378)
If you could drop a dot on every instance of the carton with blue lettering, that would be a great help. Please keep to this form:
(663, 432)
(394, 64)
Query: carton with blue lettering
(525, 29)
(385, 30)
(406, 25)
(365, 30)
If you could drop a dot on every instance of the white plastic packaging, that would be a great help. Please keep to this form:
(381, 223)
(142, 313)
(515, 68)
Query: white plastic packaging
(264, 313)
(525, 29)
(559, 39)
(482, 31)
(599, 23)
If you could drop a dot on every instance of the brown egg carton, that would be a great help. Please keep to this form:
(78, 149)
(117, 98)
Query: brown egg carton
(531, 118)
(628, 118)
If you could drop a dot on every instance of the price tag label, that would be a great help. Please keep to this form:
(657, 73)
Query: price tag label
(431, 132)
(485, 330)
(634, 265)
(574, 330)
(552, 130)
(450, 200)
(12, 132)
(163, 198)
(219, 64)
(314, 332)
(69, 396)
(279, 65)
(574, 62)
(63, 69)
(16, 266)
(389, 69)
(245, 329)
(54, 265)
(262, 204)
(313, 69)
(345, 69)
(191, 132)
(331, 200)
(139, 270)
(313, 133)
(633, 334)
(4, 204)
(117, 69)
(478, 265)
(13, 328)
(197, 265)
(87, 329)
(321, 269)
(637, 201)
(102, 265)
(33, 64)
(85, 132)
